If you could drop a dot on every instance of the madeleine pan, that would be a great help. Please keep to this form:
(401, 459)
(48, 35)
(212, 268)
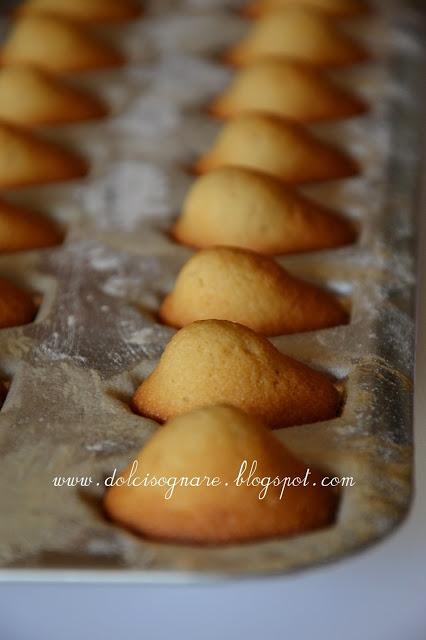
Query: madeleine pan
(73, 371)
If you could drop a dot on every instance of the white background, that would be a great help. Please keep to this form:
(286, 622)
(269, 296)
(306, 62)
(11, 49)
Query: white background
(377, 595)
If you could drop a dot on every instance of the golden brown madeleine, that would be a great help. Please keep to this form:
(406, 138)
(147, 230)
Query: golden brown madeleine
(243, 208)
(56, 45)
(31, 97)
(334, 8)
(279, 148)
(242, 286)
(215, 361)
(23, 230)
(289, 90)
(297, 34)
(215, 442)
(27, 159)
(90, 11)
(16, 306)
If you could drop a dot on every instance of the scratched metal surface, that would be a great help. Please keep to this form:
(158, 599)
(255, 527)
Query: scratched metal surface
(95, 338)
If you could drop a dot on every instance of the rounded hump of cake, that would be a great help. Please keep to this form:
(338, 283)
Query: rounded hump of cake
(288, 90)
(242, 208)
(27, 159)
(31, 97)
(334, 8)
(214, 361)
(56, 45)
(298, 34)
(282, 149)
(24, 230)
(214, 442)
(244, 287)
(16, 306)
(90, 11)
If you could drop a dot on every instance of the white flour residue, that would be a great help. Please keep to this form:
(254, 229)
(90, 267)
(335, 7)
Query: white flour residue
(404, 42)
(101, 259)
(130, 192)
(51, 349)
(199, 34)
(143, 336)
(186, 80)
(104, 446)
(118, 286)
(148, 116)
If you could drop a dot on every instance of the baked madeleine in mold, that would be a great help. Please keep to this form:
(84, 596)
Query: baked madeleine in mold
(276, 147)
(24, 230)
(334, 8)
(27, 159)
(214, 442)
(242, 286)
(30, 97)
(242, 208)
(56, 45)
(297, 34)
(215, 361)
(289, 90)
(16, 306)
(90, 11)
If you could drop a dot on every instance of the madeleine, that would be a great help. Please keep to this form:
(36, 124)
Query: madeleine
(27, 159)
(56, 45)
(333, 8)
(242, 208)
(212, 444)
(24, 230)
(16, 306)
(279, 148)
(297, 34)
(242, 286)
(90, 11)
(30, 97)
(215, 361)
(289, 90)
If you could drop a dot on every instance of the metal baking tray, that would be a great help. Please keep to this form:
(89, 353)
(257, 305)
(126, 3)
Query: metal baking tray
(74, 370)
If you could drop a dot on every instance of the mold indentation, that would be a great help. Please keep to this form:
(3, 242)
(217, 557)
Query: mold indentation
(4, 390)
(125, 400)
